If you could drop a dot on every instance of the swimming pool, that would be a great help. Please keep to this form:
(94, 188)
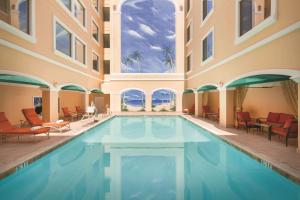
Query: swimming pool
(147, 158)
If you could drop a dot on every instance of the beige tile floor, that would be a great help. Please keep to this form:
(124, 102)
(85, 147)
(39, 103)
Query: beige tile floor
(285, 159)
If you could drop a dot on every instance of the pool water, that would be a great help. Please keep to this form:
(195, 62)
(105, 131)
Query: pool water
(147, 158)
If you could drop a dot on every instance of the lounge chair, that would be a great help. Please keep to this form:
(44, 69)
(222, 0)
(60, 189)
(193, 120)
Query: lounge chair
(206, 113)
(68, 114)
(244, 120)
(34, 120)
(7, 129)
(275, 119)
(190, 110)
(80, 112)
(289, 130)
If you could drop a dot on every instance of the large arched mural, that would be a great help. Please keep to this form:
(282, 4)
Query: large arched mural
(164, 100)
(133, 100)
(148, 36)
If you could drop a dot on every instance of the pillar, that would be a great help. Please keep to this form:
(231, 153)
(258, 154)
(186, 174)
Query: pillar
(148, 102)
(115, 102)
(226, 107)
(179, 101)
(198, 104)
(298, 115)
(86, 99)
(50, 105)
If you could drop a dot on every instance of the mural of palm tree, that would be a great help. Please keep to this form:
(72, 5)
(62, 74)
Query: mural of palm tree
(128, 62)
(168, 58)
(137, 57)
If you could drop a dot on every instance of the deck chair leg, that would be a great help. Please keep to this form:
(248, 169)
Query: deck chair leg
(286, 141)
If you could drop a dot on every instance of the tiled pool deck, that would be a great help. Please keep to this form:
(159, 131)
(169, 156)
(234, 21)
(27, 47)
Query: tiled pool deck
(273, 154)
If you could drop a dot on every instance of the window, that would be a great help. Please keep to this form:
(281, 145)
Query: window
(79, 51)
(96, 4)
(106, 39)
(63, 40)
(95, 31)
(67, 3)
(188, 33)
(79, 12)
(106, 14)
(207, 47)
(207, 8)
(17, 15)
(95, 62)
(252, 13)
(188, 63)
(188, 6)
(106, 67)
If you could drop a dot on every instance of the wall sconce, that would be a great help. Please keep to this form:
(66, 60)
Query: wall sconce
(114, 7)
(221, 84)
(180, 8)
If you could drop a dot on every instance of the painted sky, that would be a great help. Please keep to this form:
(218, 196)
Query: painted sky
(148, 26)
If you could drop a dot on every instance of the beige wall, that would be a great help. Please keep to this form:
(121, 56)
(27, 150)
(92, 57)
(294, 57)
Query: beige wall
(15, 98)
(260, 101)
(71, 99)
(188, 101)
(213, 101)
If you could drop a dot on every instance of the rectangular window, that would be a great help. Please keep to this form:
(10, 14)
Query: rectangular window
(95, 62)
(188, 5)
(17, 15)
(106, 38)
(96, 4)
(252, 13)
(207, 47)
(67, 3)
(188, 63)
(106, 14)
(63, 40)
(79, 12)
(95, 30)
(207, 7)
(106, 66)
(188, 33)
(79, 51)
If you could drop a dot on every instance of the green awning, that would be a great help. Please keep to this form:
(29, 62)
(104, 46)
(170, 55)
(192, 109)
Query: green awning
(207, 88)
(188, 91)
(73, 88)
(18, 79)
(97, 91)
(258, 79)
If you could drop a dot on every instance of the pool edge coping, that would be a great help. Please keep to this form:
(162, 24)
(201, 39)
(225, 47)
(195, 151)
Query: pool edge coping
(39, 155)
(264, 161)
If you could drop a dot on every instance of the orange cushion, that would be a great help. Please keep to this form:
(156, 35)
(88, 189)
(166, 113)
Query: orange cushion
(283, 117)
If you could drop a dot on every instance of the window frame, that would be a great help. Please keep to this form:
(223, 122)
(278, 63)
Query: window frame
(104, 7)
(96, 9)
(85, 50)
(204, 20)
(208, 59)
(190, 54)
(31, 37)
(188, 12)
(94, 22)
(104, 41)
(189, 26)
(256, 29)
(72, 14)
(73, 39)
(99, 66)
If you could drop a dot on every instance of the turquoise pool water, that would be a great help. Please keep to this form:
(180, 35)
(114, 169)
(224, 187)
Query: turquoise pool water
(147, 158)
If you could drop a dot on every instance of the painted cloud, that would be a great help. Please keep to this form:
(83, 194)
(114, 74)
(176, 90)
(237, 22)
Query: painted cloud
(148, 36)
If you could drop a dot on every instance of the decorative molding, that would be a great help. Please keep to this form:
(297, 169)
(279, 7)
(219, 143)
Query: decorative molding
(251, 48)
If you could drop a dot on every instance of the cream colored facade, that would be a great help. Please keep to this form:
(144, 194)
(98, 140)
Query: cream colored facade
(271, 47)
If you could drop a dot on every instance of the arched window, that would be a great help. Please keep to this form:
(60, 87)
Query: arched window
(163, 100)
(133, 100)
(148, 36)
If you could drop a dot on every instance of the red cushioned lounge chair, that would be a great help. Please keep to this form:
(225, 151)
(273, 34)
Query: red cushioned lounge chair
(7, 129)
(276, 119)
(68, 114)
(289, 130)
(34, 120)
(244, 120)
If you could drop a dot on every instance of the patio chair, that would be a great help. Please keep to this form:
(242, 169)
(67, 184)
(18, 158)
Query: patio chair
(34, 120)
(68, 114)
(189, 111)
(206, 113)
(244, 120)
(80, 112)
(7, 129)
(289, 130)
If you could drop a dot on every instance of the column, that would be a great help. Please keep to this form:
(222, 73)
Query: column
(198, 104)
(115, 102)
(86, 99)
(50, 105)
(148, 102)
(226, 107)
(179, 102)
(298, 150)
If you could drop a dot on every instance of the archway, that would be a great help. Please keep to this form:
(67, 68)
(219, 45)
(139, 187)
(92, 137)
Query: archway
(164, 100)
(148, 36)
(133, 100)
(188, 101)
(209, 105)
